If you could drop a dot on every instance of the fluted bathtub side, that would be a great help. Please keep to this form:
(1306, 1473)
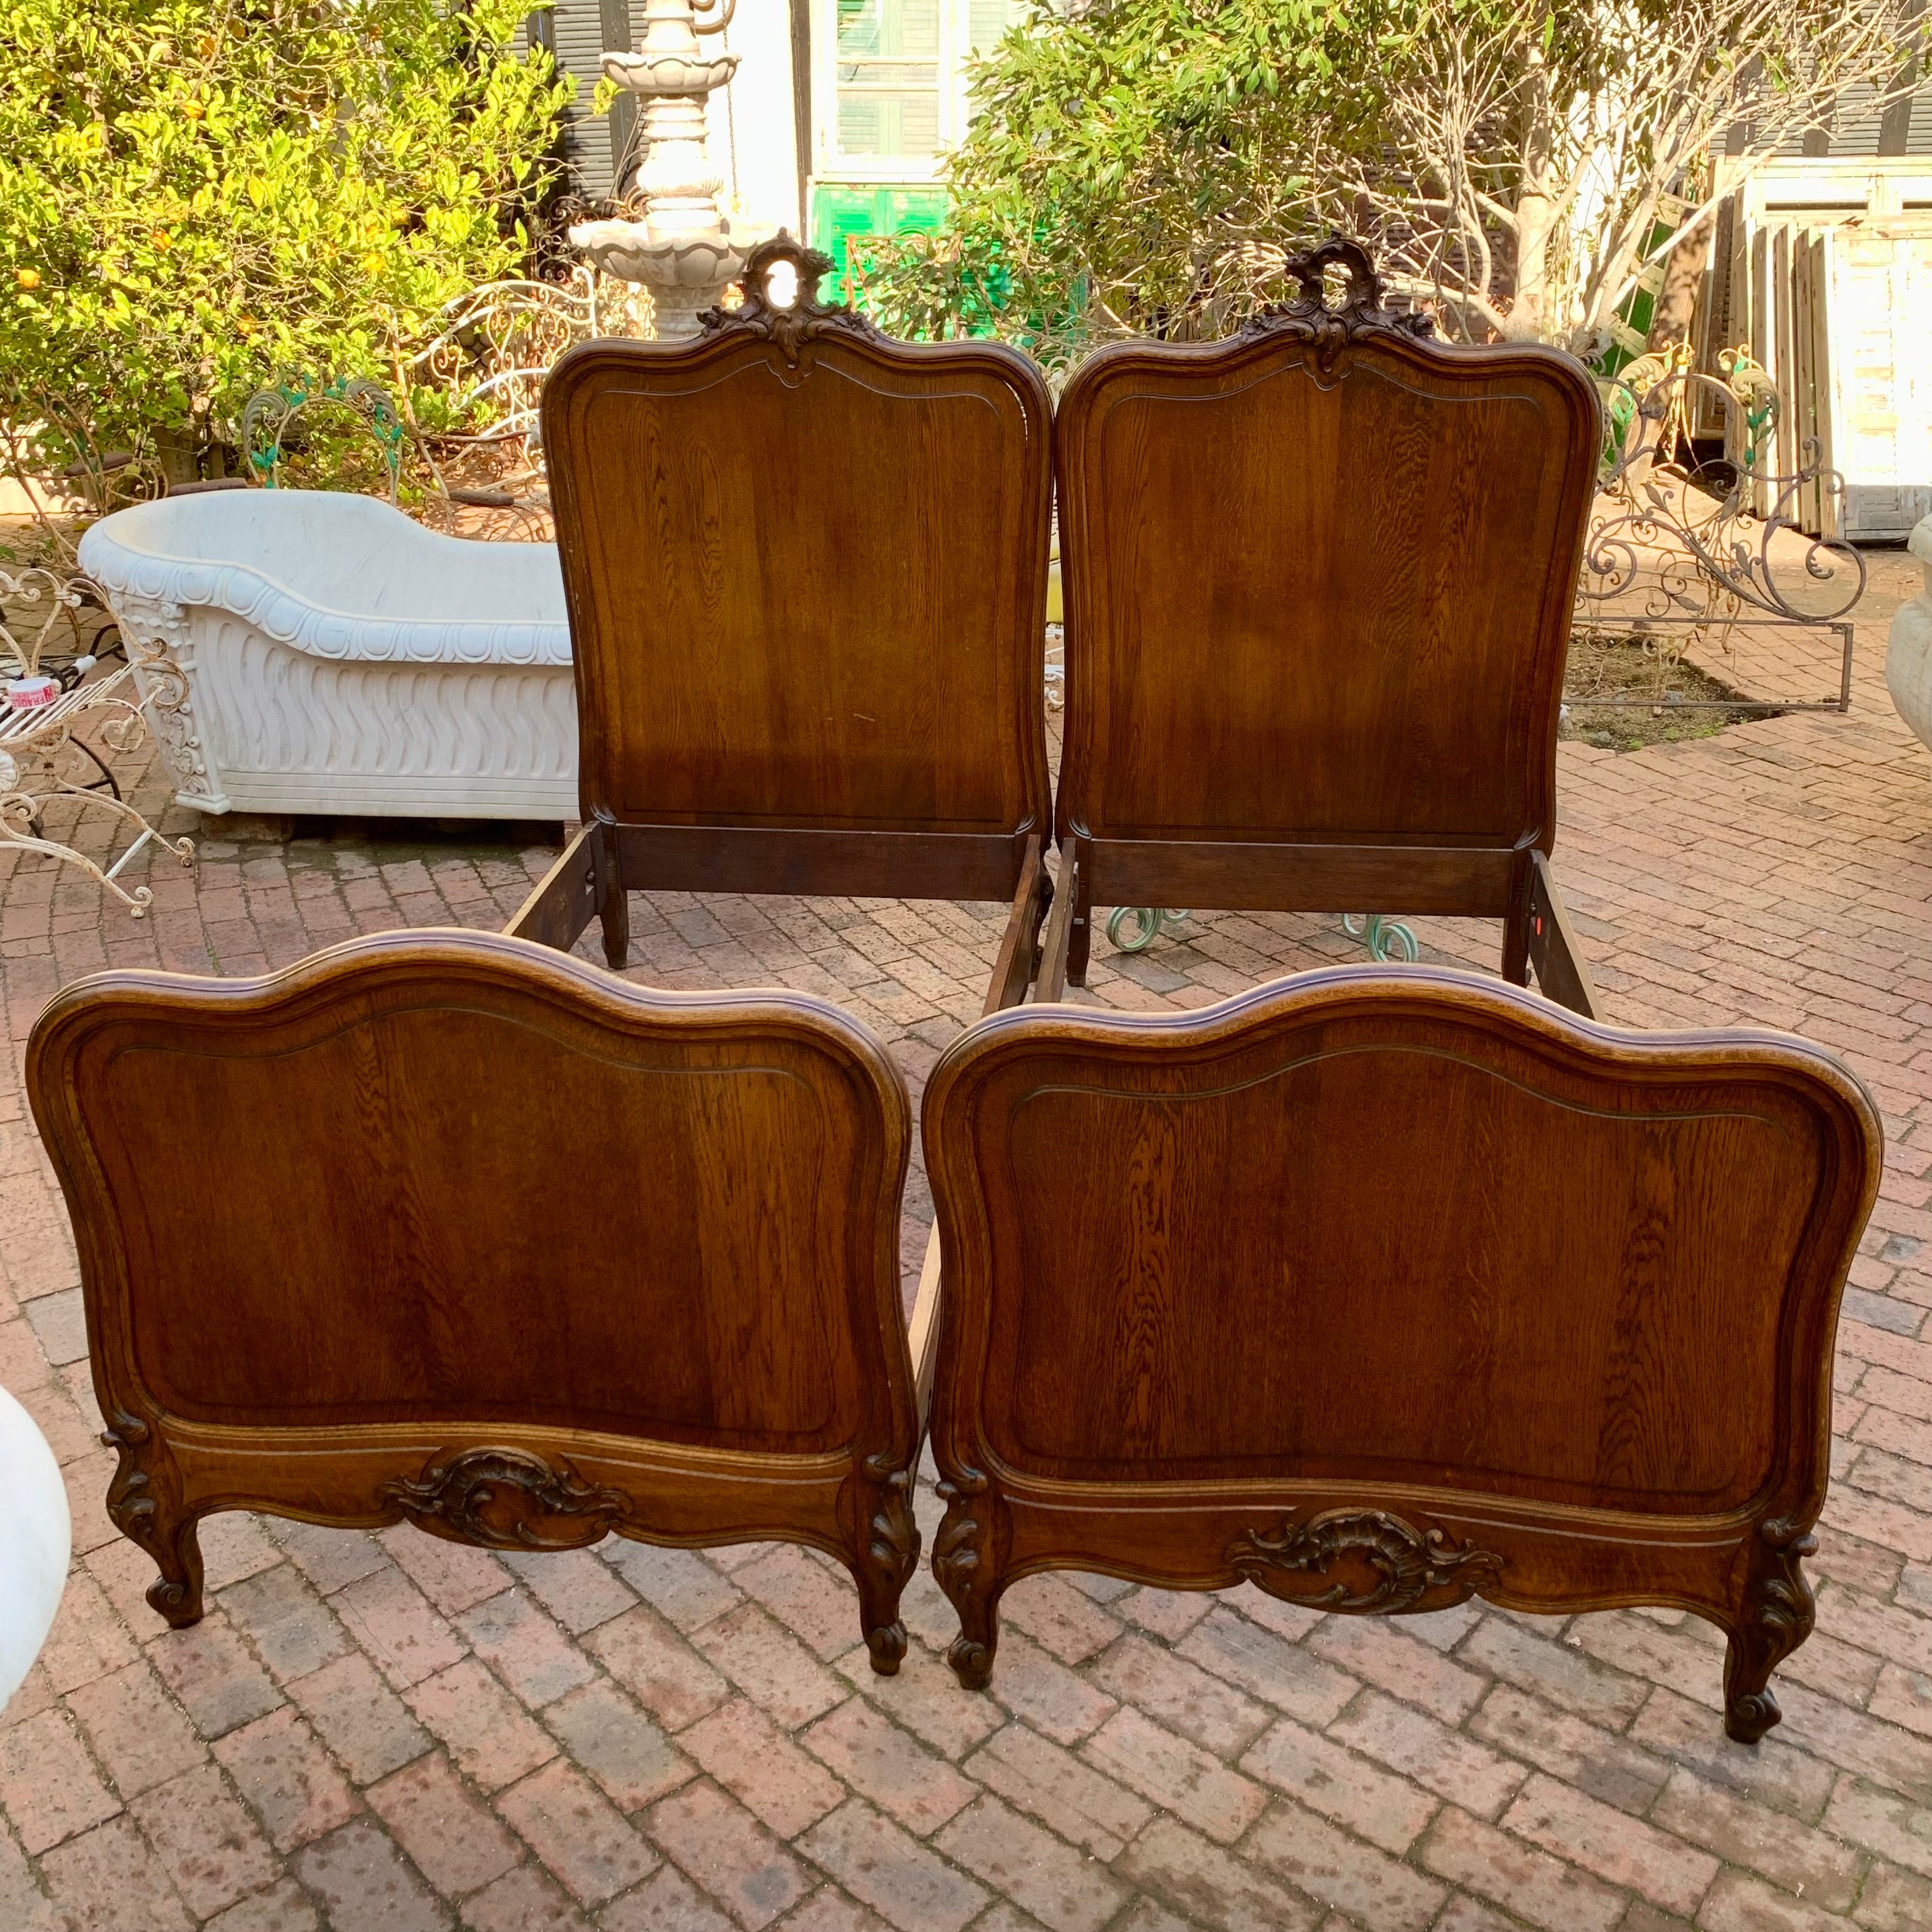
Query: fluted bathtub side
(314, 652)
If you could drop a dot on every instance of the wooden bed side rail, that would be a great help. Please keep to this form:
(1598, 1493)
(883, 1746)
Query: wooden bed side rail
(1383, 1289)
(505, 1246)
(567, 897)
(1017, 964)
(582, 885)
(1050, 982)
(1555, 956)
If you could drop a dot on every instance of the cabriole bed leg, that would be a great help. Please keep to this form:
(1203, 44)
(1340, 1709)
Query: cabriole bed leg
(1778, 1614)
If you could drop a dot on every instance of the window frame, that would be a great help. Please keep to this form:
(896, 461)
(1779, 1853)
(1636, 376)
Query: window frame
(828, 164)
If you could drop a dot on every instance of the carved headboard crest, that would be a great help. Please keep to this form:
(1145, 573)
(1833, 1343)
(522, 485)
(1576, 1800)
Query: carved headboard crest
(1307, 316)
(789, 324)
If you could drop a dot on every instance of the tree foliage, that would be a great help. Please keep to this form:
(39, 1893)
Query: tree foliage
(1143, 165)
(1123, 157)
(199, 196)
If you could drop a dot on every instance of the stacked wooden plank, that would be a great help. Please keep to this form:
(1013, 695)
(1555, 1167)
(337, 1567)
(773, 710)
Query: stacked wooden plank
(1819, 283)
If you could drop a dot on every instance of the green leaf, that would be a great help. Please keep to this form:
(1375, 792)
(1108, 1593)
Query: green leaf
(198, 254)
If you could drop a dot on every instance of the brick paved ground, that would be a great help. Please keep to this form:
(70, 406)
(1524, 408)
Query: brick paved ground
(386, 1731)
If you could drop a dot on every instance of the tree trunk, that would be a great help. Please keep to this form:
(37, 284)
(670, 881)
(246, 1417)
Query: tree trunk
(1677, 300)
(1528, 319)
(175, 447)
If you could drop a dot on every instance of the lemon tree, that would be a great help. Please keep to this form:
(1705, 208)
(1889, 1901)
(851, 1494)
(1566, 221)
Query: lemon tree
(199, 196)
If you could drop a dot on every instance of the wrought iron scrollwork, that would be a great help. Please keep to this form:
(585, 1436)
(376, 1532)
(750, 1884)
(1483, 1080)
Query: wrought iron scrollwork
(56, 600)
(1134, 929)
(44, 754)
(487, 333)
(1708, 531)
(269, 412)
(1383, 939)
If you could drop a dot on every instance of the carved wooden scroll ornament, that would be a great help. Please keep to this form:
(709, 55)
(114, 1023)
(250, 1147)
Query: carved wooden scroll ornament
(791, 325)
(508, 1499)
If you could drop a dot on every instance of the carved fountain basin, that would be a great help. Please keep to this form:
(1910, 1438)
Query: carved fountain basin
(311, 651)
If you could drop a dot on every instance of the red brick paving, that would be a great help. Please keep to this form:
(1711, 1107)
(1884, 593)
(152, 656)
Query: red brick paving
(389, 1732)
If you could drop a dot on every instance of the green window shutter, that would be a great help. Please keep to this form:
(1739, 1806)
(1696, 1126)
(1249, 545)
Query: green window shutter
(843, 212)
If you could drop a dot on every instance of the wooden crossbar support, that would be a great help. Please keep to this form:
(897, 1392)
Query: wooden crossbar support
(1553, 952)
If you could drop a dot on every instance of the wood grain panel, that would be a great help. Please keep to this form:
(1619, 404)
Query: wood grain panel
(429, 1197)
(1407, 1243)
(805, 598)
(1304, 611)
(1319, 578)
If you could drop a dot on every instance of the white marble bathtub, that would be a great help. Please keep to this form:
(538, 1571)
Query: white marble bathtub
(36, 1540)
(336, 657)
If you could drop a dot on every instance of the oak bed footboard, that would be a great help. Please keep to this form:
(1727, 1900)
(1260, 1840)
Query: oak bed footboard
(1354, 1548)
(1382, 1290)
(505, 1246)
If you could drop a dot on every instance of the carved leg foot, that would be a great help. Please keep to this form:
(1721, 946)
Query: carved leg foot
(1778, 1614)
(964, 1560)
(143, 1503)
(890, 1555)
(176, 1592)
(1749, 1710)
(887, 1645)
(971, 1657)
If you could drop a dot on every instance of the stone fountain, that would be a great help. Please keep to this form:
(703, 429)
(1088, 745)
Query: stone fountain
(681, 250)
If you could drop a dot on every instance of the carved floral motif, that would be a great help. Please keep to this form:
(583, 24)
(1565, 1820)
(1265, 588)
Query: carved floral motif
(1405, 1564)
(135, 1506)
(888, 1546)
(892, 1536)
(508, 1499)
(1779, 1612)
(130, 1501)
(963, 1563)
(157, 641)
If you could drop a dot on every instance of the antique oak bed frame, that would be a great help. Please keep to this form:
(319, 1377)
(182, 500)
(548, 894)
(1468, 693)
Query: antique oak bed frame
(1383, 1289)
(1318, 580)
(505, 1245)
(1573, 1289)
(805, 567)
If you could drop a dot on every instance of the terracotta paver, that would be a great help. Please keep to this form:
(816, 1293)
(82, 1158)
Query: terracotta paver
(389, 1730)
